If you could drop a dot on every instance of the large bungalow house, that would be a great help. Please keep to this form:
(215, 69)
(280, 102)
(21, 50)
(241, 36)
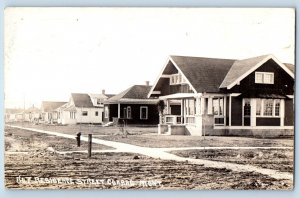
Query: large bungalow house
(82, 108)
(132, 107)
(209, 96)
(48, 111)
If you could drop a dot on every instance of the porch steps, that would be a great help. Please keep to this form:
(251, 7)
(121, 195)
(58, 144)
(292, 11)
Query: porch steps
(193, 130)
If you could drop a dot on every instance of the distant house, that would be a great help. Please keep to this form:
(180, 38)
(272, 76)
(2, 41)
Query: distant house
(13, 115)
(132, 107)
(82, 108)
(48, 111)
(212, 96)
(32, 114)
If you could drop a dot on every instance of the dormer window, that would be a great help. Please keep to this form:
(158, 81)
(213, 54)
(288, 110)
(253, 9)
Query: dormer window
(177, 79)
(99, 101)
(264, 77)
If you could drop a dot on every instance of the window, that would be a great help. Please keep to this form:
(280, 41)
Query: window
(218, 106)
(99, 101)
(264, 77)
(143, 113)
(96, 113)
(72, 115)
(84, 113)
(247, 108)
(277, 107)
(177, 79)
(258, 107)
(268, 107)
(128, 112)
(106, 111)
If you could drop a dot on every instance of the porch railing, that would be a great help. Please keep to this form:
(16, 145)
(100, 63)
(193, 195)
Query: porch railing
(173, 119)
(177, 119)
(190, 119)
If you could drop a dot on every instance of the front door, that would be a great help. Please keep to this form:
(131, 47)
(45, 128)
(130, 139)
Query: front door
(247, 112)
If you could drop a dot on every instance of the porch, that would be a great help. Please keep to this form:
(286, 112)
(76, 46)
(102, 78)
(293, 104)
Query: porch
(180, 114)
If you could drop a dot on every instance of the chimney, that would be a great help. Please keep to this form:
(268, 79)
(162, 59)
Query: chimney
(147, 83)
(103, 91)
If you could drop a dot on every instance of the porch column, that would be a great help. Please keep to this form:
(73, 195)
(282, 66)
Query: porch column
(119, 110)
(253, 112)
(198, 115)
(282, 113)
(229, 124)
(198, 106)
(202, 106)
(184, 110)
(225, 109)
(181, 110)
(168, 107)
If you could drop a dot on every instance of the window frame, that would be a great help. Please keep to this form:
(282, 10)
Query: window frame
(177, 79)
(141, 110)
(83, 113)
(128, 112)
(106, 112)
(262, 108)
(263, 80)
(220, 107)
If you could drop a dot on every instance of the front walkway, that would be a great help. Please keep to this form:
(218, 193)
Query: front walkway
(161, 153)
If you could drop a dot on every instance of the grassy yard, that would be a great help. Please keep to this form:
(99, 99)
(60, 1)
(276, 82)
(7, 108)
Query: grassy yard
(17, 140)
(87, 128)
(157, 141)
(277, 159)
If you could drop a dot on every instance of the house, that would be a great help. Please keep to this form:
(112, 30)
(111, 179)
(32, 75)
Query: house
(82, 108)
(48, 111)
(13, 115)
(132, 107)
(32, 114)
(209, 96)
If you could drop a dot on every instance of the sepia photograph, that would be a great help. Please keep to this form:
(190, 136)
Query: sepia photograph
(149, 98)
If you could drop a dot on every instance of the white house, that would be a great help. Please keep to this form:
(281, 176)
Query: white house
(82, 108)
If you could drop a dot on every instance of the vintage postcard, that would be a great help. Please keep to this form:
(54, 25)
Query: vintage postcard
(149, 98)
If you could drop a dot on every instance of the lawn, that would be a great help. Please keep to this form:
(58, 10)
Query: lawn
(87, 128)
(159, 141)
(277, 159)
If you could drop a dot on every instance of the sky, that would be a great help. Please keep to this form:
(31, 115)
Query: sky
(50, 53)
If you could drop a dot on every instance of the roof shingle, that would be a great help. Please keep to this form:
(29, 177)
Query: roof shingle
(239, 68)
(205, 74)
(51, 106)
(82, 100)
(134, 92)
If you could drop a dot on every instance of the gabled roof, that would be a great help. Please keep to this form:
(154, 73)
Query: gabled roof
(204, 74)
(211, 74)
(135, 93)
(51, 106)
(290, 67)
(242, 68)
(82, 100)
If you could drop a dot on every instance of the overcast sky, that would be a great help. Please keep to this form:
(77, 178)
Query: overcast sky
(52, 52)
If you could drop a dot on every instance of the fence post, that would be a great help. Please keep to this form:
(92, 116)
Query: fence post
(89, 145)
